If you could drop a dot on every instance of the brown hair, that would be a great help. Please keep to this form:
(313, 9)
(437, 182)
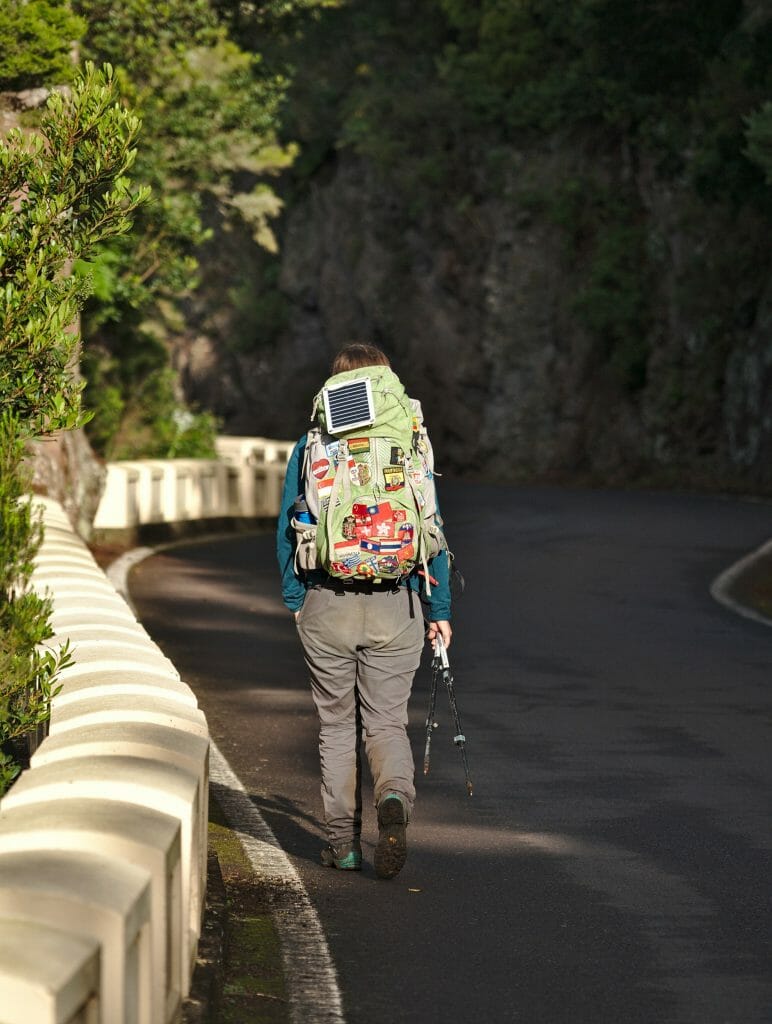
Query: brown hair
(357, 355)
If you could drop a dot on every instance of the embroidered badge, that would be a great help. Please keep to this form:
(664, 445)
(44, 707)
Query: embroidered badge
(360, 474)
(390, 544)
(359, 445)
(341, 568)
(359, 509)
(343, 546)
(349, 527)
(382, 522)
(394, 478)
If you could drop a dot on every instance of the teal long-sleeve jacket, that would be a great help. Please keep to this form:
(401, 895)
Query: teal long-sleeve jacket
(294, 585)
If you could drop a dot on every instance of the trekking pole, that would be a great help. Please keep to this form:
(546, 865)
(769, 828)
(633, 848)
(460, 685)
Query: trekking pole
(431, 725)
(441, 667)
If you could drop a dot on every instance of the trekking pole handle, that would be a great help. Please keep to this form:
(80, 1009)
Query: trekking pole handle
(441, 651)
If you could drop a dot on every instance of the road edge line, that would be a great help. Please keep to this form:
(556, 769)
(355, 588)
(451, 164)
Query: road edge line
(721, 585)
(310, 973)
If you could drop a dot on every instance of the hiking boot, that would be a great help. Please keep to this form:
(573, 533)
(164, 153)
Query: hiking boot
(391, 851)
(347, 856)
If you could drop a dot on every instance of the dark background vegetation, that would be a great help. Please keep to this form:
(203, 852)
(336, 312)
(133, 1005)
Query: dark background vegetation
(323, 170)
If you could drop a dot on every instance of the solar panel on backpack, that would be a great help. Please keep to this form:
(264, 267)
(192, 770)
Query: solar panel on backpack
(349, 405)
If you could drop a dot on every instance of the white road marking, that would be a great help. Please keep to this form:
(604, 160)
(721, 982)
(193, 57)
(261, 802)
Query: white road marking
(310, 974)
(118, 571)
(722, 585)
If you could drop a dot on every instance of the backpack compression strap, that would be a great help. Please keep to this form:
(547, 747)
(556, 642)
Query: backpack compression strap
(341, 478)
(419, 501)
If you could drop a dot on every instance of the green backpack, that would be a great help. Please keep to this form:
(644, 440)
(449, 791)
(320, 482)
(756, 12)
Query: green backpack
(368, 477)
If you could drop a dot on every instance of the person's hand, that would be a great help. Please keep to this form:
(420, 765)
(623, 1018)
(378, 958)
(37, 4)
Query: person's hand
(297, 614)
(441, 628)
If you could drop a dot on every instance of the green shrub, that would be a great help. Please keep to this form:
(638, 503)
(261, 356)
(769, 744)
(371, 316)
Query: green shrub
(62, 191)
(156, 424)
(27, 669)
(36, 40)
(210, 119)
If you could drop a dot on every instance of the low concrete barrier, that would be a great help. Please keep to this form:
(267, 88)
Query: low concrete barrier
(103, 838)
(108, 678)
(48, 975)
(147, 839)
(243, 482)
(140, 707)
(144, 782)
(93, 897)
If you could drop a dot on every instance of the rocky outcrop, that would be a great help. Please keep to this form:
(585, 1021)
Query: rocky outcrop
(477, 307)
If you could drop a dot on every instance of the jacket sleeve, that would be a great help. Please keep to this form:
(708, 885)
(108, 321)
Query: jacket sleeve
(439, 569)
(292, 588)
(439, 602)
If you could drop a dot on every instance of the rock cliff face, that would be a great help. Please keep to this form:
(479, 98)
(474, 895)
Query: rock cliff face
(477, 308)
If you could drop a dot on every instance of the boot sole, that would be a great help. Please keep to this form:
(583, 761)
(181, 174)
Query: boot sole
(391, 851)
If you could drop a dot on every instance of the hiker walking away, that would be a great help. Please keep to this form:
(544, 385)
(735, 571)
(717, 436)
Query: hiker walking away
(359, 543)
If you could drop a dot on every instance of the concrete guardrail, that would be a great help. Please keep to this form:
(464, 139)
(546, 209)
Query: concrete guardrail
(103, 839)
(243, 482)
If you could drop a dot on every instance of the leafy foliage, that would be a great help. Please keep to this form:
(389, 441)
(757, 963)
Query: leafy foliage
(150, 422)
(529, 64)
(62, 192)
(209, 113)
(36, 39)
(139, 31)
(27, 669)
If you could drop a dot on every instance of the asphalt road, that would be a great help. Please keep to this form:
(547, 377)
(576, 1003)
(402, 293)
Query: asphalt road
(613, 865)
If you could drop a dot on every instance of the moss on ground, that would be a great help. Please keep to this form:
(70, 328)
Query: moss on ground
(254, 989)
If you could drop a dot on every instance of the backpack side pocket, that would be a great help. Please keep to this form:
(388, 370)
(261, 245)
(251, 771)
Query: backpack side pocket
(434, 538)
(306, 557)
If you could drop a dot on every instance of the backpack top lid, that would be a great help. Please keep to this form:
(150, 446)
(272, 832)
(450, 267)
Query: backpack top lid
(357, 399)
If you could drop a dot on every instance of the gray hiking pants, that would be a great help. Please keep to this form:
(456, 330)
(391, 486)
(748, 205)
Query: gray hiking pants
(362, 651)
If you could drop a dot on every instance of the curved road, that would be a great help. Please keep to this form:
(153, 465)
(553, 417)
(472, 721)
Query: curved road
(613, 866)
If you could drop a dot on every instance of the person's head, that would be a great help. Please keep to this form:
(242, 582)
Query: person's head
(357, 355)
